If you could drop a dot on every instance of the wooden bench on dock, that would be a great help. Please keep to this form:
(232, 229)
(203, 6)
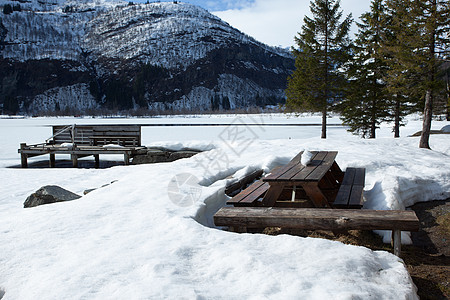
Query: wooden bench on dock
(240, 218)
(86, 140)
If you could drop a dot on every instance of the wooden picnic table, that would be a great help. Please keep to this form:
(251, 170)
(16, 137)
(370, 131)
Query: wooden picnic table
(324, 184)
(319, 180)
(320, 184)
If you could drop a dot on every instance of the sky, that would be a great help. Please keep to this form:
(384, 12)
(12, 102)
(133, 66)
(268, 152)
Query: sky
(274, 22)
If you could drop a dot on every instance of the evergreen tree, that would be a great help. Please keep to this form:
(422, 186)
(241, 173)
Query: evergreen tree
(366, 103)
(323, 48)
(7, 9)
(421, 36)
(17, 7)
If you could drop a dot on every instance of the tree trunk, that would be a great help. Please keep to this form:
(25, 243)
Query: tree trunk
(373, 121)
(397, 118)
(428, 110)
(372, 130)
(325, 104)
(448, 95)
(324, 124)
(427, 114)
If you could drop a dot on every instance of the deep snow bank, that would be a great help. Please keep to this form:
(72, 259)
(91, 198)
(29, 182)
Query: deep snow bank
(132, 240)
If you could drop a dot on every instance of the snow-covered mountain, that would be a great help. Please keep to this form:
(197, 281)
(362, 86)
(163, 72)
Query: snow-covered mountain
(57, 54)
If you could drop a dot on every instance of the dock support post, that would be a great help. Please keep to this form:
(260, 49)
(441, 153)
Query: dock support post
(52, 160)
(23, 156)
(74, 158)
(97, 161)
(126, 158)
(397, 241)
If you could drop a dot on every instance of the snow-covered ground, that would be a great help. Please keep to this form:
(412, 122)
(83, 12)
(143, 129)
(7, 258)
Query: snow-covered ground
(145, 237)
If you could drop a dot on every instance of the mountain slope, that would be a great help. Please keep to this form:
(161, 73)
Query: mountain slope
(160, 56)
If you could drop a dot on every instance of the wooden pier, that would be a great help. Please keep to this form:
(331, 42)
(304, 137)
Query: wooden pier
(86, 140)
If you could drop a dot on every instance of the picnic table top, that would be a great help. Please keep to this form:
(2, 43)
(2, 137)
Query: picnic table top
(294, 171)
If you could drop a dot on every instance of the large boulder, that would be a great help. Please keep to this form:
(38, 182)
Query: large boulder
(182, 154)
(157, 155)
(49, 194)
(152, 156)
(446, 129)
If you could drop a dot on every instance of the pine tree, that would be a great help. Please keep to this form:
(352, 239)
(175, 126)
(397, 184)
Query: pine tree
(421, 31)
(323, 48)
(7, 9)
(366, 103)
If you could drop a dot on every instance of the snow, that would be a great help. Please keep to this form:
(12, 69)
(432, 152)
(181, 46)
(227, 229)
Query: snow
(142, 238)
(306, 157)
(158, 33)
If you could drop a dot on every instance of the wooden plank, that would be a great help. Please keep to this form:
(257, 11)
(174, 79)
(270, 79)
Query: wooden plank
(255, 195)
(318, 219)
(319, 172)
(356, 197)
(287, 176)
(360, 176)
(349, 176)
(239, 197)
(315, 163)
(277, 173)
(115, 134)
(343, 196)
(232, 188)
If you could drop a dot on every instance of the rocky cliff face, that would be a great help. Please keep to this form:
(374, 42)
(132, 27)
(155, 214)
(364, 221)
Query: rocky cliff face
(65, 55)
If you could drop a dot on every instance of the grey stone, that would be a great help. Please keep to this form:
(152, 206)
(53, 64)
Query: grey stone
(159, 154)
(49, 194)
(446, 129)
(181, 154)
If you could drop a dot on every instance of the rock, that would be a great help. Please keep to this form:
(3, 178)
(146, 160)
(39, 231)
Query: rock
(152, 156)
(158, 155)
(446, 129)
(182, 154)
(49, 194)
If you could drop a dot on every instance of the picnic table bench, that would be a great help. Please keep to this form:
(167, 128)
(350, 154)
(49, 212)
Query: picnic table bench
(85, 140)
(294, 195)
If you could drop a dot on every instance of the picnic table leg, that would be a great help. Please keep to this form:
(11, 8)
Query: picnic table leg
(126, 158)
(397, 241)
(315, 194)
(52, 160)
(294, 188)
(272, 195)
